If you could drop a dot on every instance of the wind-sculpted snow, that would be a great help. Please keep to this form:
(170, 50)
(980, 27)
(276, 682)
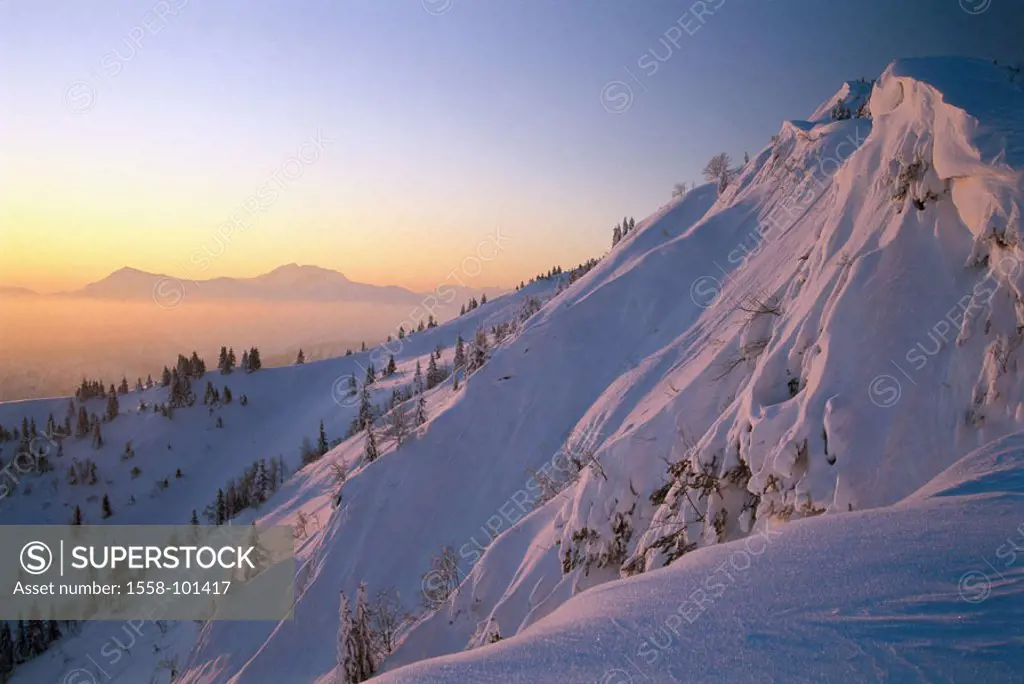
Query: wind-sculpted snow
(928, 590)
(835, 329)
(808, 363)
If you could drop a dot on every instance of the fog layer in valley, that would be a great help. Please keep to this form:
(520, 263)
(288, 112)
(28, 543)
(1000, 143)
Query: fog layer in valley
(47, 344)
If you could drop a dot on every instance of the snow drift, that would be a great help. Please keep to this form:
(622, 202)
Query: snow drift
(821, 340)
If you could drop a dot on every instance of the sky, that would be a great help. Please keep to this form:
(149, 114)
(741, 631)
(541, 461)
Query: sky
(390, 139)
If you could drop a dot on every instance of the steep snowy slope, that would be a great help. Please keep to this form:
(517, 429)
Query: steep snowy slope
(826, 336)
(830, 333)
(782, 399)
(878, 595)
(285, 406)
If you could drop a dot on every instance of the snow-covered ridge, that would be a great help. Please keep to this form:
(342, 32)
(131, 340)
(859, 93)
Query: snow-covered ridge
(820, 342)
(875, 595)
(814, 273)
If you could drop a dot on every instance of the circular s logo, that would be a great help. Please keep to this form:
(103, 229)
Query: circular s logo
(36, 558)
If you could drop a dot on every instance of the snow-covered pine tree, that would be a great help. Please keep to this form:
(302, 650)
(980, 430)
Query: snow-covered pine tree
(245, 361)
(76, 517)
(97, 437)
(616, 235)
(479, 351)
(370, 452)
(421, 410)
(399, 424)
(362, 632)
(433, 373)
(345, 652)
(417, 379)
(365, 416)
(195, 518)
(301, 358)
(107, 511)
(460, 353)
(391, 367)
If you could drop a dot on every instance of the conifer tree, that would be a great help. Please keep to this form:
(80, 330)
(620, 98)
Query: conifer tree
(365, 408)
(113, 408)
(321, 446)
(301, 358)
(460, 353)
(22, 652)
(107, 512)
(76, 517)
(370, 452)
(391, 367)
(371, 375)
(421, 410)
(345, 652)
(479, 351)
(366, 664)
(245, 361)
(417, 379)
(82, 426)
(7, 655)
(165, 377)
(433, 373)
(220, 509)
(231, 359)
(398, 424)
(195, 518)
(97, 437)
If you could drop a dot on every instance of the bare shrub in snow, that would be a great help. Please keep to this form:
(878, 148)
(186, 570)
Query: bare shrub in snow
(387, 618)
(718, 170)
(761, 303)
(442, 579)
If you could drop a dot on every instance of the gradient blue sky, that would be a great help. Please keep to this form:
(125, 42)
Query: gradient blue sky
(446, 126)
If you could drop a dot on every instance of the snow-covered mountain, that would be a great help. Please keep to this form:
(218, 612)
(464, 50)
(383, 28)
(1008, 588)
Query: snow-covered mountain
(812, 372)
